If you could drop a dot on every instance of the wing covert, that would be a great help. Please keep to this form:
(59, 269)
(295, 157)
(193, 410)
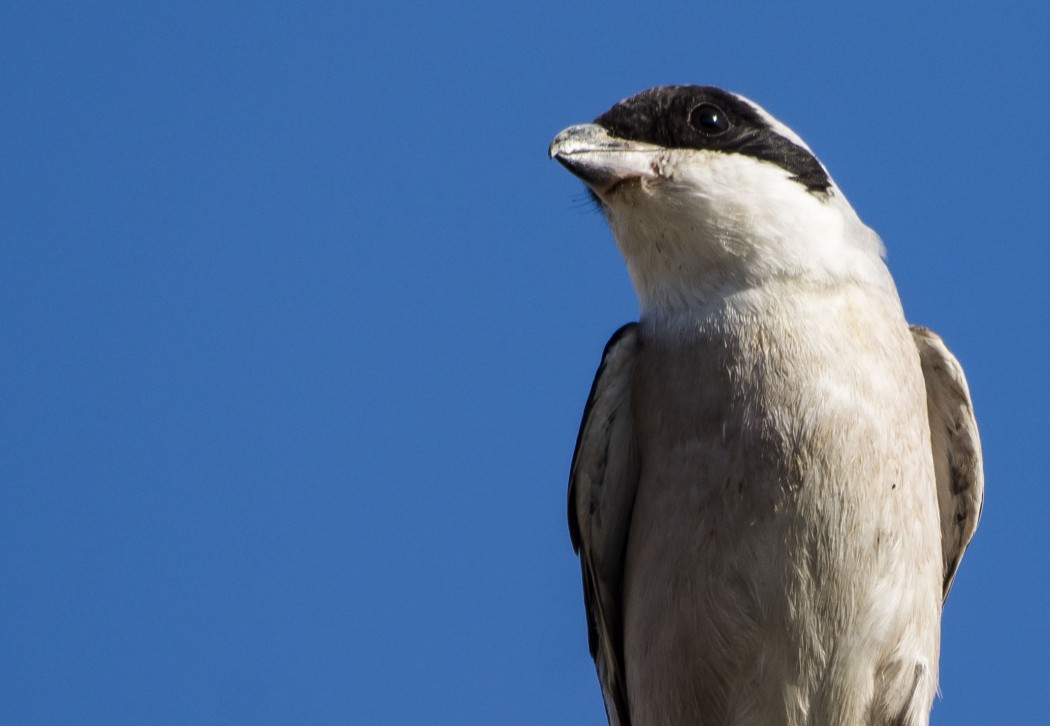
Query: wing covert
(602, 484)
(956, 448)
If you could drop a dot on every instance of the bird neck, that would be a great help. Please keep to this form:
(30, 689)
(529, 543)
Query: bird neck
(689, 260)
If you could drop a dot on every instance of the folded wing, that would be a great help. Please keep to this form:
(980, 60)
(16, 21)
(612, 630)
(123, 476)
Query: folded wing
(956, 448)
(602, 484)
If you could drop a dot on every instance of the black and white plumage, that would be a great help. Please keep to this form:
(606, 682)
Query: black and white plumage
(775, 477)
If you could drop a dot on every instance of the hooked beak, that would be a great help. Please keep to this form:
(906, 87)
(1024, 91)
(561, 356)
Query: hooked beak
(602, 161)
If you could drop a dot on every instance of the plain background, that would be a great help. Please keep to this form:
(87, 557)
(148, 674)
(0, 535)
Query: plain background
(298, 321)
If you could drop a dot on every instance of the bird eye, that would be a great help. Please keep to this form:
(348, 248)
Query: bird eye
(709, 119)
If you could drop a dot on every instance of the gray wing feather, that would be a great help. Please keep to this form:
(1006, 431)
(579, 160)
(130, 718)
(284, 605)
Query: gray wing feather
(602, 483)
(956, 448)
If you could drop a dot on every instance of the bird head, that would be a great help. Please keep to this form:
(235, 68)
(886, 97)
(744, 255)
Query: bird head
(708, 195)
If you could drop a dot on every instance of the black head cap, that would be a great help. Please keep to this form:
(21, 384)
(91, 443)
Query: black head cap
(704, 117)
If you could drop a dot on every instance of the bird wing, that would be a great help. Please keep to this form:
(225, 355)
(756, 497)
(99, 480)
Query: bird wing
(602, 484)
(956, 448)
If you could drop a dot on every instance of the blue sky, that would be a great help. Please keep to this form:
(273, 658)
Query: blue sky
(299, 321)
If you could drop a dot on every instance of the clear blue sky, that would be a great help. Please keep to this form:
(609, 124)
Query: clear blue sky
(298, 322)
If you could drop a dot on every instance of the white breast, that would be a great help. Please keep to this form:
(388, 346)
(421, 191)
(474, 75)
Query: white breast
(784, 549)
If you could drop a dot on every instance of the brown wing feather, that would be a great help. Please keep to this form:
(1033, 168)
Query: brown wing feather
(602, 484)
(956, 448)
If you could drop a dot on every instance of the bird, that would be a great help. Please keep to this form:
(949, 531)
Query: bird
(776, 476)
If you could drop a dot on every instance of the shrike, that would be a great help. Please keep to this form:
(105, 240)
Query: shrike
(775, 477)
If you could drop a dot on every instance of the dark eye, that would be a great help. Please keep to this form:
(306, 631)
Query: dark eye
(709, 119)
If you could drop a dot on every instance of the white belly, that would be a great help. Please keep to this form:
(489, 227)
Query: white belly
(783, 563)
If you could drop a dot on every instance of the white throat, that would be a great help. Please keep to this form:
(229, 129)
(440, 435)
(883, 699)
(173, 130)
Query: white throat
(691, 240)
